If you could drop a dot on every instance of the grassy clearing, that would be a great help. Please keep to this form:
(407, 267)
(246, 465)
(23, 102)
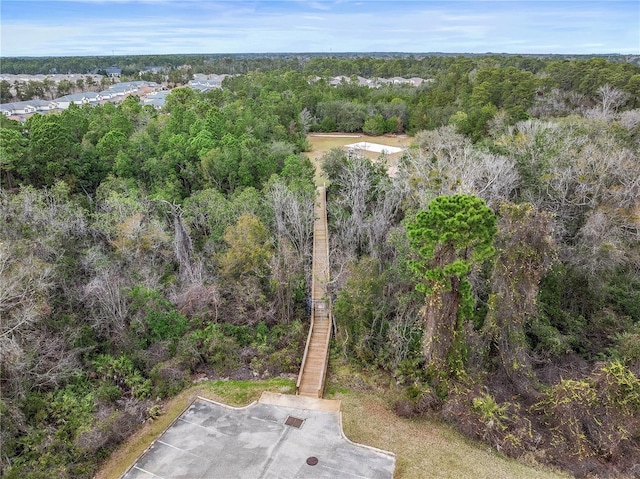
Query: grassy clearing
(322, 143)
(424, 447)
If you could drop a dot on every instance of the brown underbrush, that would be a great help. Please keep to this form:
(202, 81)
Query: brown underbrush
(588, 425)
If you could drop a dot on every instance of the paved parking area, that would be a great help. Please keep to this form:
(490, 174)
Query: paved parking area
(277, 437)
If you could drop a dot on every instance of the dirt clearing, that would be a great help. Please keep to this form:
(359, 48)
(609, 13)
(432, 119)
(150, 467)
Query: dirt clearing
(321, 143)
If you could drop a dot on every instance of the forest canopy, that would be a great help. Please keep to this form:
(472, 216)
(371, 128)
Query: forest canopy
(495, 275)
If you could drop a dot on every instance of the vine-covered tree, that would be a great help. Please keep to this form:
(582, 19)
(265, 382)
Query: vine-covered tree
(454, 234)
(526, 251)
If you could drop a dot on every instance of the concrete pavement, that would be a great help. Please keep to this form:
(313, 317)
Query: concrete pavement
(278, 437)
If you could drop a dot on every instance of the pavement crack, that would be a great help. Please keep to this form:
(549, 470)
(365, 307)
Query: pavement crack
(274, 452)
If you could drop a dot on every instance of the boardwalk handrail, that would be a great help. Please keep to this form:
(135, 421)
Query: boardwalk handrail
(317, 347)
(323, 373)
(306, 351)
(313, 284)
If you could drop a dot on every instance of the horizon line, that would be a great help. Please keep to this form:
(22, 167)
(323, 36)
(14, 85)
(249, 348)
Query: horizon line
(327, 53)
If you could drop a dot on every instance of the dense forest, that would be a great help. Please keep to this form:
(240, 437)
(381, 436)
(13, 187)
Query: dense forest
(495, 276)
(380, 64)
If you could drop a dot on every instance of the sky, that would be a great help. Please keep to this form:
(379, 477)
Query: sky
(137, 27)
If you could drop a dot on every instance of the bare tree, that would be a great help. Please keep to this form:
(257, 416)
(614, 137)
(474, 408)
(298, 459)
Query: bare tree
(305, 118)
(611, 99)
(293, 215)
(365, 206)
(629, 119)
(54, 362)
(182, 245)
(349, 209)
(600, 245)
(446, 163)
(105, 299)
(589, 178)
(384, 212)
(23, 304)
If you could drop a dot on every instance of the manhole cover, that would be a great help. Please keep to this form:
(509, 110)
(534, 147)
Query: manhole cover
(294, 422)
(312, 461)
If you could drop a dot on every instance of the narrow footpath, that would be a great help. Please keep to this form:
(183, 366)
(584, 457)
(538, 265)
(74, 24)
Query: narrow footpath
(316, 354)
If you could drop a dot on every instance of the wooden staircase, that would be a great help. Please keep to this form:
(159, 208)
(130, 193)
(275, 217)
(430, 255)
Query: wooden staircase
(316, 354)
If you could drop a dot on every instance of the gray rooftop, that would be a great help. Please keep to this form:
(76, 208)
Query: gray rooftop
(78, 96)
(212, 440)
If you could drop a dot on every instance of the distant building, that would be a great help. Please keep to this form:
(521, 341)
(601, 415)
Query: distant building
(113, 72)
(22, 109)
(375, 82)
(119, 91)
(154, 70)
(156, 99)
(335, 81)
(84, 98)
(204, 83)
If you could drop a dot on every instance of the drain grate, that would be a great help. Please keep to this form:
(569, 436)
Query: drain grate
(294, 422)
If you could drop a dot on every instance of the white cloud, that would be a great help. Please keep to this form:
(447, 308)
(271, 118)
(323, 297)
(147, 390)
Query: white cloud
(319, 5)
(189, 26)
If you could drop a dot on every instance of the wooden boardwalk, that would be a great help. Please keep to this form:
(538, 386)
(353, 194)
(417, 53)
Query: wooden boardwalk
(316, 354)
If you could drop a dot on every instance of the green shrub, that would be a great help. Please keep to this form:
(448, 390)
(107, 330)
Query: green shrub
(410, 370)
(624, 294)
(166, 325)
(11, 421)
(627, 346)
(48, 446)
(488, 408)
(121, 372)
(374, 125)
(241, 334)
(262, 333)
(71, 408)
(158, 319)
(108, 393)
(546, 338)
(221, 352)
(188, 350)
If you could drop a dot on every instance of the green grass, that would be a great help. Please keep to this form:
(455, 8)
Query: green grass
(425, 448)
(241, 393)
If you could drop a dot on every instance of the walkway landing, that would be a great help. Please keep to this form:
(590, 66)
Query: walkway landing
(278, 437)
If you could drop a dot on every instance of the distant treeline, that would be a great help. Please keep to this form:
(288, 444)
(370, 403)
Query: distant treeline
(365, 64)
